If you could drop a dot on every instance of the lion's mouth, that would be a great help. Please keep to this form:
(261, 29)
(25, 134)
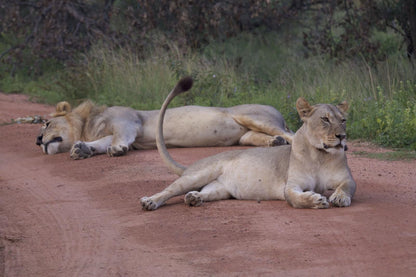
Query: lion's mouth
(45, 145)
(338, 146)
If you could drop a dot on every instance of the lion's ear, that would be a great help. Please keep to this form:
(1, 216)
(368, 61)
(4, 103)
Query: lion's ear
(303, 107)
(343, 107)
(62, 108)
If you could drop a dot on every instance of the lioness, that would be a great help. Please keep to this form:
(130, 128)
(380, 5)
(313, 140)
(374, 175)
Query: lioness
(89, 129)
(297, 173)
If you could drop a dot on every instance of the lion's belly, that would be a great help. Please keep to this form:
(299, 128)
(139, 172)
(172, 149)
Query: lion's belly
(261, 174)
(208, 132)
(193, 126)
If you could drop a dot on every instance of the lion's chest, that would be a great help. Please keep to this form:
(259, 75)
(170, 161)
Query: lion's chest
(318, 175)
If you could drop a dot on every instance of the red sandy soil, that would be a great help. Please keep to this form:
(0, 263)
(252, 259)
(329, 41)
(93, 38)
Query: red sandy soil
(61, 217)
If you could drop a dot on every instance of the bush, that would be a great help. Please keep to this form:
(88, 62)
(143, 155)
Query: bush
(388, 121)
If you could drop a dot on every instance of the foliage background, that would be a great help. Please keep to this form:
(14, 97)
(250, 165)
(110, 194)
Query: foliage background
(131, 52)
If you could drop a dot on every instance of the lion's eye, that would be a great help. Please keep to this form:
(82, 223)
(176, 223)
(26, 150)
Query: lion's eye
(47, 124)
(325, 119)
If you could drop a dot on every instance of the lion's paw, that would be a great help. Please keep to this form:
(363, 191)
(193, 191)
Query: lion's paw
(148, 204)
(277, 140)
(80, 151)
(193, 198)
(318, 201)
(117, 150)
(340, 200)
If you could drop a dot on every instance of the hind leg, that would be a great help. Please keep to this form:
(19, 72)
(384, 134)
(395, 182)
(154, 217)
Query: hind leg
(261, 139)
(179, 187)
(211, 192)
(267, 124)
(193, 179)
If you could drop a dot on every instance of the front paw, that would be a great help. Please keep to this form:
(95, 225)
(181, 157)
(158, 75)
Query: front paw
(340, 199)
(117, 150)
(80, 150)
(318, 201)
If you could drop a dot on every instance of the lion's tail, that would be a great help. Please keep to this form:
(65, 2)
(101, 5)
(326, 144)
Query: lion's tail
(183, 85)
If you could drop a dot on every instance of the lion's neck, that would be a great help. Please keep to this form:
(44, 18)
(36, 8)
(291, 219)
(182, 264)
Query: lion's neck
(302, 148)
(82, 117)
(305, 152)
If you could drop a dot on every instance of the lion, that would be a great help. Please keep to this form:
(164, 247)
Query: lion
(89, 129)
(298, 173)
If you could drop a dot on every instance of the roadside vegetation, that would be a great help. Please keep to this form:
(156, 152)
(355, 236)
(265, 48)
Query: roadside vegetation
(268, 62)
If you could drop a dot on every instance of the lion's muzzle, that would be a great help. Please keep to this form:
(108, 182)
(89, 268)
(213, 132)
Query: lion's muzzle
(39, 140)
(44, 146)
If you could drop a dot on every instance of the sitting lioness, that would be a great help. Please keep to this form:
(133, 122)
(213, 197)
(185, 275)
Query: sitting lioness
(89, 129)
(298, 173)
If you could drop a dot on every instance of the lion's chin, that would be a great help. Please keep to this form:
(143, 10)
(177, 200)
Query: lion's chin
(50, 148)
(42, 146)
(340, 147)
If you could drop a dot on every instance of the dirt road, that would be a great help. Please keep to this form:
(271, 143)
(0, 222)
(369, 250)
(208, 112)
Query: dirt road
(60, 217)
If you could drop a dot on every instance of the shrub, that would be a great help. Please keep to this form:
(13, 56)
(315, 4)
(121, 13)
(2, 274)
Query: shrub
(388, 121)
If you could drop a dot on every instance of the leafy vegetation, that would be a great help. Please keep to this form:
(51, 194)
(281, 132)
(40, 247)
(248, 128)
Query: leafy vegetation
(259, 57)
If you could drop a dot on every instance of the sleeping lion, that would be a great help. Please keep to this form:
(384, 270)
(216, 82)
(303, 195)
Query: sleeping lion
(89, 129)
(298, 173)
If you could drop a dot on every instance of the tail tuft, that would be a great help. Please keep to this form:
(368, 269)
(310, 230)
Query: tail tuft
(185, 83)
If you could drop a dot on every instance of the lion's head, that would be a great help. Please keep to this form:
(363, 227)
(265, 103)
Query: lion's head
(67, 126)
(325, 125)
(58, 134)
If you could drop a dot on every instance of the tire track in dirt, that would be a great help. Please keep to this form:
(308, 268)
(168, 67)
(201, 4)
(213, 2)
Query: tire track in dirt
(10, 240)
(56, 218)
(60, 217)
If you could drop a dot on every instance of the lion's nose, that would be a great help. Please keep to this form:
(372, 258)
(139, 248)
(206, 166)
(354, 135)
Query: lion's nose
(39, 140)
(341, 136)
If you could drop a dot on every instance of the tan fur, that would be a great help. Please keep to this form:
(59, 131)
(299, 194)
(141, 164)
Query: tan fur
(88, 129)
(62, 108)
(298, 173)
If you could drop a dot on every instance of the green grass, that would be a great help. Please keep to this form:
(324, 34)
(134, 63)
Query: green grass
(266, 69)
